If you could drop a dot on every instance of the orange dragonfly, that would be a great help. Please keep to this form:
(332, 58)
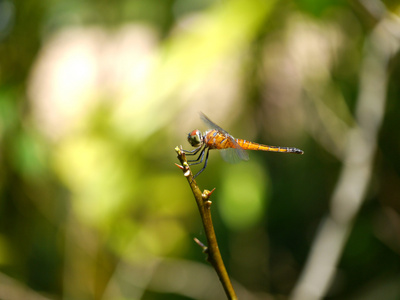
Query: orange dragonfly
(232, 150)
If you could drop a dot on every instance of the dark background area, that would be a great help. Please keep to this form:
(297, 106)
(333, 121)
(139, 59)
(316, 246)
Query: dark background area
(95, 96)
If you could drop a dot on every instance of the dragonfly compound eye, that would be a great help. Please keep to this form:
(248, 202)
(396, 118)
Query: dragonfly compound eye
(194, 138)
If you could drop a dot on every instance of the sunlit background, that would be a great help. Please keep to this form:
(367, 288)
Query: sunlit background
(95, 96)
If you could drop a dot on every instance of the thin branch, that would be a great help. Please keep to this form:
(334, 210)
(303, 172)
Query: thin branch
(350, 191)
(204, 204)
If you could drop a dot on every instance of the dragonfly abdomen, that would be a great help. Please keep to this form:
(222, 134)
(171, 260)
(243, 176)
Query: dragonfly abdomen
(247, 145)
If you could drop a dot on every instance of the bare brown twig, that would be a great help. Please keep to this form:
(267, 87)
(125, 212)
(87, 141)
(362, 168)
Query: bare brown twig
(204, 204)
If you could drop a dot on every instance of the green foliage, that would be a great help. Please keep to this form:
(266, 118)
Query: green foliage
(244, 196)
(94, 97)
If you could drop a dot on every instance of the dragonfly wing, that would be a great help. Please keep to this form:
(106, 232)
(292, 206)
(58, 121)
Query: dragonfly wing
(210, 124)
(234, 155)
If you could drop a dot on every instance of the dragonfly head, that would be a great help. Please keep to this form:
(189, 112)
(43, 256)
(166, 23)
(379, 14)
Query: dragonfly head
(195, 138)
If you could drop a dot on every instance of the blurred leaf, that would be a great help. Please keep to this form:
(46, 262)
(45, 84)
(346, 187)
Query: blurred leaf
(99, 174)
(244, 195)
(186, 58)
(29, 155)
(6, 256)
(8, 111)
(317, 7)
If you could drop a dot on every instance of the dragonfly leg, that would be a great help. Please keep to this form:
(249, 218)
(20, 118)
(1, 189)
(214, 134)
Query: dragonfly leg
(192, 152)
(205, 163)
(198, 160)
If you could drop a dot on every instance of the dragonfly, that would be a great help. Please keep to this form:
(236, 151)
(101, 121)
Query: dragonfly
(232, 150)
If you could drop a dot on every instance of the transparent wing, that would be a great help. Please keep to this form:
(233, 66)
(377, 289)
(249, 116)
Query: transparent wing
(210, 124)
(231, 155)
(234, 155)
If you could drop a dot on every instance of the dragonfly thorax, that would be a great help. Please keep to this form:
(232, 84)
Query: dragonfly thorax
(195, 138)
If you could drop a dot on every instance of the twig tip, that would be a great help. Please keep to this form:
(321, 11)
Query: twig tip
(207, 194)
(179, 166)
(198, 242)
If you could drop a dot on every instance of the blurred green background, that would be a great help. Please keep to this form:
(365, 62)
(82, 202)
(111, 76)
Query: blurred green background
(95, 96)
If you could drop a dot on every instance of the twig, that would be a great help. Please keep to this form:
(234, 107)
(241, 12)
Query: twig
(204, 204)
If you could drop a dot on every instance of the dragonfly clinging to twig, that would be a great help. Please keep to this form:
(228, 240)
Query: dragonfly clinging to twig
(232, 149)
